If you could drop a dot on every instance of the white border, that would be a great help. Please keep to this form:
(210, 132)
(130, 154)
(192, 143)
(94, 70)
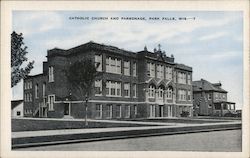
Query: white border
(8, 6)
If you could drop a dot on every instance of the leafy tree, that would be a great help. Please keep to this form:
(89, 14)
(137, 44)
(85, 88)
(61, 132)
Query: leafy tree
(81, 76)
(18, 53)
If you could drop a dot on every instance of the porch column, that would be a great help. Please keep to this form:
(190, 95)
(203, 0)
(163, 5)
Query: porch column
(69, 108)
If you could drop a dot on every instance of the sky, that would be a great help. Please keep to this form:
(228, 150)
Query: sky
(210, 42)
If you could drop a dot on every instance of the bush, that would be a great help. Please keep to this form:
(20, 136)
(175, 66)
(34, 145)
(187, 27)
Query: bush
(184, 114)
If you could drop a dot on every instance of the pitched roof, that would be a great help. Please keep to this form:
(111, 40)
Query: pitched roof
(15, 103)
(207, 86)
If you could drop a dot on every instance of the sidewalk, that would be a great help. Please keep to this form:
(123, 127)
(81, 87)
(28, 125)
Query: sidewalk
(98, 130)
(49, 137)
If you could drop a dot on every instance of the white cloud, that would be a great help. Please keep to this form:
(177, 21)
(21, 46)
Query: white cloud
(36, 22)
(224, 55)
(213, 36)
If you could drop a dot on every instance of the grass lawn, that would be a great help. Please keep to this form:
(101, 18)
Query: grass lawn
(34, 125)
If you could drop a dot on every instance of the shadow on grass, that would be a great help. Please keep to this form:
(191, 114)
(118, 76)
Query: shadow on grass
(35, 125)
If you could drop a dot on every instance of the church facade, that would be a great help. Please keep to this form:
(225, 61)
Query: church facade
(141, 84)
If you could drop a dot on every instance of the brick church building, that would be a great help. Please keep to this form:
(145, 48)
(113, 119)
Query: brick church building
(133, 85)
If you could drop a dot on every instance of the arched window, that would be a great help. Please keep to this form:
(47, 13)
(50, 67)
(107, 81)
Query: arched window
(161, 92)
(151, 91)
(169, 93)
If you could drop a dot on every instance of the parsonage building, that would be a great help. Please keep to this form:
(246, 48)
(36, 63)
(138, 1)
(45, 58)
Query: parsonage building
(133, 85)
(210, 99)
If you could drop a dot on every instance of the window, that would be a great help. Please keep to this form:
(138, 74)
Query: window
(113, 65)
(98, 110)
(51, 74)
(182, 77)
(36, 91)
(18, 113)
(109, 111)
(98, 61)
(188, 95)
(25, 85)
(151, 69)
(160, 72)
(51, 100)
(118, 66)
(168, 73)
(135, 110)
(224, 96)
(126, 89)
(209, 96)
(30, 85)
(113, 88)
(30, 97)
(169, 93)
(119, 111)
(134, 69)
(127, 111)
(161, 93)
(217, 106)
(98, 87)
(189, 79)
(181, 95)
(148, 69)
(44, 89)
(25, 97)
(134, 92)
(126, 68)
(219, 95)
(151, 91)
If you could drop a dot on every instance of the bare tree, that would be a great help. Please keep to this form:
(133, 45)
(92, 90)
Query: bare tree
(82, 75)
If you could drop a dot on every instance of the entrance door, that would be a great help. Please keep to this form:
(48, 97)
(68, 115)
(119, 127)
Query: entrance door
(66, 109)
(152, 110)
(169, 111)
(161, 111)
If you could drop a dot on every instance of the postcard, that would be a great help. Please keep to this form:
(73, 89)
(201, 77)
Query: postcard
(125, 79)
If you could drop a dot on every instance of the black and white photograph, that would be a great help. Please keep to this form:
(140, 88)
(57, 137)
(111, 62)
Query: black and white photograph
(127, 80)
